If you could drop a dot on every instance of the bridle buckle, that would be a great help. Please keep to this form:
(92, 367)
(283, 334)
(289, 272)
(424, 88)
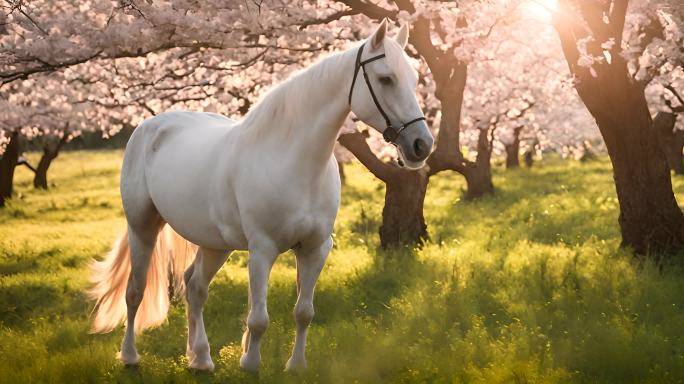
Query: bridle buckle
(390, 134)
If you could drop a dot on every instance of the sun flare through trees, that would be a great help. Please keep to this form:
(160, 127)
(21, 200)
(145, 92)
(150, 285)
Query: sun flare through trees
(549, 199)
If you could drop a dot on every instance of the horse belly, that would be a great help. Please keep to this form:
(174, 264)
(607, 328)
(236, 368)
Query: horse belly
(183, 178)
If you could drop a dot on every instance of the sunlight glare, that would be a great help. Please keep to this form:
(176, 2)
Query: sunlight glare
(540, 9)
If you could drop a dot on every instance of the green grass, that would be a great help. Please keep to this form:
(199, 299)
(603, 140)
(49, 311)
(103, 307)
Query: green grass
(526, 286)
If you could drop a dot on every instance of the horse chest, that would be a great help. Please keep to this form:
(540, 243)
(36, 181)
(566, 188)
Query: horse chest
(302, 218)
(291, 213)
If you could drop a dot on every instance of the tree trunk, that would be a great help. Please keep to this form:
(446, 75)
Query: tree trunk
(40, 178)
(343, 176)
(588, 153)
(7, 166)
(478, 174)
(512, 160)
(403, 222)
(513, 150)
(529, 157)
(650, 219)
(478, 180)
(50, 152)
(670, 141)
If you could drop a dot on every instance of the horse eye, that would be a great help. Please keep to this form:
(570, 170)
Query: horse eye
(385, 80)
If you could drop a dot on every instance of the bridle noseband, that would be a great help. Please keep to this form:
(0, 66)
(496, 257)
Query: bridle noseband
(390, 134)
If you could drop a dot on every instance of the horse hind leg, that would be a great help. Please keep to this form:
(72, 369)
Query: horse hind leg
(144, 223)
(141, 241)
(191, 320)
(198, 276)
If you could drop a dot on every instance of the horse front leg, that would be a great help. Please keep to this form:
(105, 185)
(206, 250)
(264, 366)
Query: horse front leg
(310, 262)
(260, 263)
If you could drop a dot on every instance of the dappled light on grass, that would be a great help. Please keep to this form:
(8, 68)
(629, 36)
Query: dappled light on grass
(528, 285)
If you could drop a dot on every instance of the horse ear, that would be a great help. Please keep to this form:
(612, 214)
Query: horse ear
(402, 37)
(379, 35)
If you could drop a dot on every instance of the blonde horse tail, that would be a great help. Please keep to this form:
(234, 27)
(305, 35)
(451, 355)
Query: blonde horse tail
(170, 257)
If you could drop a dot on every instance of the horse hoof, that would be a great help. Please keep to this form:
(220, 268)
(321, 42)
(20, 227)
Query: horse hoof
(249, 365)
(295, 365)
(202, 365)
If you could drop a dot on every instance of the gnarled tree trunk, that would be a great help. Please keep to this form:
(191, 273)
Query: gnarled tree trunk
(650, 219)
(402, 216)
(51, 149)
(403, 222)
(450, 75)
(447, 155)
(478, 174)
(529, 157)
(478, 181)
(340, 168)
(513, 150)
(671, 141)
(7, 165)
(408, 226)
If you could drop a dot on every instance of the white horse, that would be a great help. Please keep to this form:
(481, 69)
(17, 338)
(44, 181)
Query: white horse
(265, 184)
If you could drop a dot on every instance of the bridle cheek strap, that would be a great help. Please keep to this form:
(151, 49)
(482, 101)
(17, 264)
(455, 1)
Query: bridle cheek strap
(390, 134)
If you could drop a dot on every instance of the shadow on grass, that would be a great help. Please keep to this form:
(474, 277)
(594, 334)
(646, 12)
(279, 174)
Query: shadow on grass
(540, 205)
(364, 297)
(18, 303)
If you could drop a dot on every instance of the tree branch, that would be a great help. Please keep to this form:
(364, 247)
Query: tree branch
(22, 161)
(617, 22)
(11, 76)
(325, 20)
(676, 94)
(670, 88)
(370, 10)
(35, 24)
(356, 144)
(567, 37)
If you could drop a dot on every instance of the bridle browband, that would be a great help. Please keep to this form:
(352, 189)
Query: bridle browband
(390, 134)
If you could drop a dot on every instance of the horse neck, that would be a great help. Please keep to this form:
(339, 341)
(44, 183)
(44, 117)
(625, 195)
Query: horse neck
(301, 118)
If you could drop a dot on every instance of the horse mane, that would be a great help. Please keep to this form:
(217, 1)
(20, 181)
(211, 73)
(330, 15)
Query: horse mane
(289, 102)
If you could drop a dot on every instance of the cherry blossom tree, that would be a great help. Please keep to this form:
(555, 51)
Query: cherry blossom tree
(30, 112)
(121, 62)
(458, 41)
(670, 136)
(664, 75)
(520, 82)
(442, 35)
(106, 65)
(68, 66)
(611, 74)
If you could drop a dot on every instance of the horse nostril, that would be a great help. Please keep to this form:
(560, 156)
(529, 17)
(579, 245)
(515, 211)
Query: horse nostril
(420, 148)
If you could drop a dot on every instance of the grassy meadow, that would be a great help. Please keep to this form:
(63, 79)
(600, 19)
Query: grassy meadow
(526, 286)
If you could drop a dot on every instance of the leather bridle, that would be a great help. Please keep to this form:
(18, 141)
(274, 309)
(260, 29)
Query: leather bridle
(390, 134)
